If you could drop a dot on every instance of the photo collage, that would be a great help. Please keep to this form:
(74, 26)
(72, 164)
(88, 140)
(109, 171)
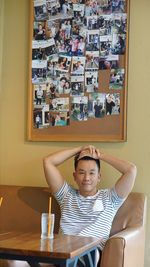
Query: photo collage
(73, 42)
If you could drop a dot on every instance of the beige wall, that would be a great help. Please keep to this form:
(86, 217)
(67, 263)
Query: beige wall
(20, 160)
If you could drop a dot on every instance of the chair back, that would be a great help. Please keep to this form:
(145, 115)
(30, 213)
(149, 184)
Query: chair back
(132, 213)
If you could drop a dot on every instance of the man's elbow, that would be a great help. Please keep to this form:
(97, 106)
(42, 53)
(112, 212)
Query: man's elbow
(133, 171)
(45, 161)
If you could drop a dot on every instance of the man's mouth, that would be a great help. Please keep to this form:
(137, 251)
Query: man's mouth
(86, 183)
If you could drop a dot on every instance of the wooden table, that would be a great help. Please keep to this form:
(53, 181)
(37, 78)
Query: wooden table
(64, 250)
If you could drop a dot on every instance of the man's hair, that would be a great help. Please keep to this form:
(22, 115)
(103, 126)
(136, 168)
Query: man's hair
(76, 160)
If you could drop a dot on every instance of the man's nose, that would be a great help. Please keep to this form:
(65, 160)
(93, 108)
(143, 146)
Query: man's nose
(86, 176)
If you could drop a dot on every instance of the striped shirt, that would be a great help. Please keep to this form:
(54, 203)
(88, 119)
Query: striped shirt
(87, 216)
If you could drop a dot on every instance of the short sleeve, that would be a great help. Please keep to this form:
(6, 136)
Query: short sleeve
(60, 195)
(116, 200)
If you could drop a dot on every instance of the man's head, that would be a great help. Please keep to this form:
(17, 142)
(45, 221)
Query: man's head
(78, 157)
(87, 173)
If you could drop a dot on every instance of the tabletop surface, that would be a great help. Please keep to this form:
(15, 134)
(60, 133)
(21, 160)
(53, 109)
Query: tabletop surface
(30, 244)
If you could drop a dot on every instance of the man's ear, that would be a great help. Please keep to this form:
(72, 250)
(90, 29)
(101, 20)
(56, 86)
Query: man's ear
(74, 175)
(99, 177)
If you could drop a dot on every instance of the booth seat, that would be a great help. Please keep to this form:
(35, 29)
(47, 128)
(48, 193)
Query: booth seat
(22, 207)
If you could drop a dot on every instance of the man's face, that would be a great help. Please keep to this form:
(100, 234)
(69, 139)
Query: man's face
(87, 176)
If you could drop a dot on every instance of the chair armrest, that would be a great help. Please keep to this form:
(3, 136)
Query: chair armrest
(125, 249)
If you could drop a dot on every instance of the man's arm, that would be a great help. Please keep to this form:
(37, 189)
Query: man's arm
(52, 174)
(125, 183)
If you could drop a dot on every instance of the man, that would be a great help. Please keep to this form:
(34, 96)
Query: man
(39, 95)
(81, 109)
(110, 103)
(37, 120)
(98, 108)
(87, 211)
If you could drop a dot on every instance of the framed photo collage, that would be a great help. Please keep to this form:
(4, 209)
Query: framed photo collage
(78, 70)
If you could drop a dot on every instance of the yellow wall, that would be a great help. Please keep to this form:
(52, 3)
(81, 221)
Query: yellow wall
(20, 160)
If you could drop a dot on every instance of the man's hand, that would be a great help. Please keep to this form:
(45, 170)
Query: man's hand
(90, 151)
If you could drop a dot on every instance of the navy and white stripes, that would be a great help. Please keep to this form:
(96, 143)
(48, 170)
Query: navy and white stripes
(87, 216)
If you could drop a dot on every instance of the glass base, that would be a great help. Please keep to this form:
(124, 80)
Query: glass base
(47, 237)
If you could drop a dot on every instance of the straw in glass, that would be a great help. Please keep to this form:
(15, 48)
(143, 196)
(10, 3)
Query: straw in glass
(49, 218)
(1, 199)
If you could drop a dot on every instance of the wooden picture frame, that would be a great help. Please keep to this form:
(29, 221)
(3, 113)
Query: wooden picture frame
(78, 56)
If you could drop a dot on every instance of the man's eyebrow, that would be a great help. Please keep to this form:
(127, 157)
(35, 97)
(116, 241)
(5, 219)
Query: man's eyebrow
(86, 170)
(81, 170)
